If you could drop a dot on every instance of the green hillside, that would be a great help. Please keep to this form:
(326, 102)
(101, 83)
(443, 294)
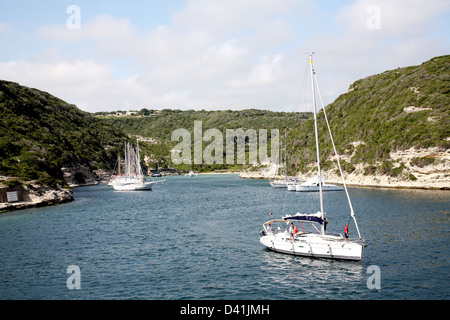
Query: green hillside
(396, 110)
(161, 124)
(40, 133)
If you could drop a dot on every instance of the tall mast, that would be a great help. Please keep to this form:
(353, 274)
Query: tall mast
(317, 139)
(278, 164)
(280, 172)
(118, 161)
(138, 160)
(285, 155)
(127, 171)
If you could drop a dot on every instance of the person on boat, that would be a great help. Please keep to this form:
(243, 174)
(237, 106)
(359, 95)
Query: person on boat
(291, 231)
(269, 228)
(295, 230)
(346, 233)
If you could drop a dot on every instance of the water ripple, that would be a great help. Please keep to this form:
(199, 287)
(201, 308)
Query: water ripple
(198, 238)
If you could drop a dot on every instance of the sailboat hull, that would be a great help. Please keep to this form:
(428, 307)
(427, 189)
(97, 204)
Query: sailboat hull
(283, 183)
(131, 185)
(305, 188)
(275, 184)
(132, 188)
(314, 246)
(291, 187)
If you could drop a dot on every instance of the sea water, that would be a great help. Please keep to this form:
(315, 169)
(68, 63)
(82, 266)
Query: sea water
(198, 238)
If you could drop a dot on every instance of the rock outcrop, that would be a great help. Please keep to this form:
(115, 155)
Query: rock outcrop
(413, 168)
(33, 194)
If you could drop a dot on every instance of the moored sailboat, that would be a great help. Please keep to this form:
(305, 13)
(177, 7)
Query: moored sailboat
(314, 242)
(279, 182)
(191, 174)
(312, 185)
(132, 178)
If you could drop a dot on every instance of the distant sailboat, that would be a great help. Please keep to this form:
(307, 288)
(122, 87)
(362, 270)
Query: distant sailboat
(315, 243)
(191, 174)
(292, 187)
(133, 178)
(286, 181)
(312, 185)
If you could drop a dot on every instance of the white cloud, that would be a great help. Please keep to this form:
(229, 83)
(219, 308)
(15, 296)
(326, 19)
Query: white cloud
(85, 83)
(224, 17)
(266, 72)
(404, 37)
(69, 74)
(102, 27)
(397, 18)
(227, 54)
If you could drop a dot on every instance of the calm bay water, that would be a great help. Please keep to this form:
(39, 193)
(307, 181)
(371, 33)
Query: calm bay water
(198, 238)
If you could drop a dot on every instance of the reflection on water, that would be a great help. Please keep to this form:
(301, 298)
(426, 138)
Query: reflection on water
(316, 278)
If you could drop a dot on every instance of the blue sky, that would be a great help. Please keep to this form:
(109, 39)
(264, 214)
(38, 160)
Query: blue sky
(212, 54)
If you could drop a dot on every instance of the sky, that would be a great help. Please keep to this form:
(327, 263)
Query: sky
(106, 55)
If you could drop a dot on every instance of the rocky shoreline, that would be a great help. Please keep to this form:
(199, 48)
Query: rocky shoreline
(33, 195)
(418, 169)
(366, 181)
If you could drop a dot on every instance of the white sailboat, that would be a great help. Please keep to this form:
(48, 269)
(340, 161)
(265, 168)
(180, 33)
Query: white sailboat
(286, 181)
(191, 174)
(312, 185)
(133, 178)
(313, 242)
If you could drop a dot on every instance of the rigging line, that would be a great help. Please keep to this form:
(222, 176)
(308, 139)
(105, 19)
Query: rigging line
(352, 213)
(313, 198)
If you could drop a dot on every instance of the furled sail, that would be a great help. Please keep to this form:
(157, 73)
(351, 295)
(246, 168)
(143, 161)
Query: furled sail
(315, 217)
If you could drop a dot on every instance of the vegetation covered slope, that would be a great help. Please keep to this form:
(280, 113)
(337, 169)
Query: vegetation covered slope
(40, 133)
(161, 124)
(397, 110)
